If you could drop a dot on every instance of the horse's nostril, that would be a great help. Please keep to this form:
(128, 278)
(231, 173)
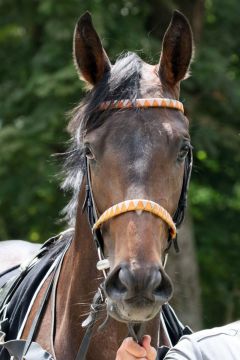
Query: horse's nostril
(119, 283)
(123, 278)
(163, 287)
(151, 283)
(114, 286)
(157, 284)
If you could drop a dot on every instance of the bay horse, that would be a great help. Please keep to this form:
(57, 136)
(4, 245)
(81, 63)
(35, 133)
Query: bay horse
(129, 168)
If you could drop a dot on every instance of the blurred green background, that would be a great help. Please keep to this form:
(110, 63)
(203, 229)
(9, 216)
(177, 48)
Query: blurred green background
(39, 86)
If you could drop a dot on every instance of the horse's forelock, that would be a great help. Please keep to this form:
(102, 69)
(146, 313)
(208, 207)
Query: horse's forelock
(123, 82)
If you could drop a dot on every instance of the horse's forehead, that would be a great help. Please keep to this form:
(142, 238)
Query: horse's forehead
(152, 123)
(140, 132)
(149, 73)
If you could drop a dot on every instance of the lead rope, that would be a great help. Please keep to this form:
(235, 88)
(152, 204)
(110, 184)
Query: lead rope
(89, 323)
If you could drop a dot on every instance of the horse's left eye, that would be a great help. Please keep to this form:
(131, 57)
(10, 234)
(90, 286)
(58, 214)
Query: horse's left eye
(183, 152)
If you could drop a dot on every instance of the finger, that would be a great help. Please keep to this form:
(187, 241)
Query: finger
(151, 351)
(146, 341)
(133, 348)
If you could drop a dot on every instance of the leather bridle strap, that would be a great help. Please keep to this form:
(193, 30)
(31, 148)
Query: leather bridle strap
(95, 307)
(179, 214)
(182, 203)
(92, 216)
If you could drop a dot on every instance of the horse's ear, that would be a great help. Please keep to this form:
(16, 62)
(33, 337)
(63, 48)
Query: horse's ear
(177, 50)
(90, 58)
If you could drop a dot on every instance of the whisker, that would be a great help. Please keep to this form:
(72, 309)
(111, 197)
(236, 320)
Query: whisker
(88, 313)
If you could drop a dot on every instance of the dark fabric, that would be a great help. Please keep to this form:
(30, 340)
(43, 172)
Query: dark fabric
(7, 275)
(7, 279)
(174, 327)
(22, 296)
(162, 352)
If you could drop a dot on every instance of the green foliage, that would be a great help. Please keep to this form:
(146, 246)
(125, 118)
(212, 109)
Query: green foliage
(215, 195)
(39, 85)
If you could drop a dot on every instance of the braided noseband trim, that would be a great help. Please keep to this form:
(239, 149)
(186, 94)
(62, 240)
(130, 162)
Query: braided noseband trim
(137, 204)
(142, 103)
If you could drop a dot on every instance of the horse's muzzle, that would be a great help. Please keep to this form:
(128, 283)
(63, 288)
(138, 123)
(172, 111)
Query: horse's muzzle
(137, 294)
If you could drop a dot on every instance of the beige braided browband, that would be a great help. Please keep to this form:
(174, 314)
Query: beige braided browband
(134, 205)
(142, 103)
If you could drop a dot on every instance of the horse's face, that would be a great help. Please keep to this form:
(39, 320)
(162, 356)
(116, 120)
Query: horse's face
(138, 154)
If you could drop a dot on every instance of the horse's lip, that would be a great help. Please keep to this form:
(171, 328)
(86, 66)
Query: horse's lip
(120, 316)
(116, 311)
(139, 299)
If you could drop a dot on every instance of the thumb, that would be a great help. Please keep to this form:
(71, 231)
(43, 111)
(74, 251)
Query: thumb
(151, 351)
(146, 341)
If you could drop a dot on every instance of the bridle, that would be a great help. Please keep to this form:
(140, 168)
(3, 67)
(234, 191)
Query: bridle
(95, 221)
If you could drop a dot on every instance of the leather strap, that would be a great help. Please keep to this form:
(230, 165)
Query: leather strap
(38, 316)
(90, 321)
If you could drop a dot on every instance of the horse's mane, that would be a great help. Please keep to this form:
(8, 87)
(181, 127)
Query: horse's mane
(123, 82)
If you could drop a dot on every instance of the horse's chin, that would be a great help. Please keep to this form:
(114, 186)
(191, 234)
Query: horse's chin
(136, 314)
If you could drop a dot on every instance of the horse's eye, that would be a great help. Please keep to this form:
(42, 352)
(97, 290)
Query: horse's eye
(183, 152)
(88, 152)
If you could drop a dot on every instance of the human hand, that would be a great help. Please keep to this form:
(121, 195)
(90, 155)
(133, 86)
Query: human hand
(130, 350)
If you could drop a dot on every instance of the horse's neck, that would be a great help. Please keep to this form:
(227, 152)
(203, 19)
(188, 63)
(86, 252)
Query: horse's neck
(76, 286)
(78, 282)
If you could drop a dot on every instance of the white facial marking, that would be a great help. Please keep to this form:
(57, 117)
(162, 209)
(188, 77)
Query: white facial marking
(168, 129)
(140, 165)
(135, 192)
(134, 264)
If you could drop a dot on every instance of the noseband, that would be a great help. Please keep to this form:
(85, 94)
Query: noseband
(137, 205)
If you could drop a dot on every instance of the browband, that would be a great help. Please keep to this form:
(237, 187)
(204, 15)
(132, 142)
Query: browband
(134, 205)
(142, 103)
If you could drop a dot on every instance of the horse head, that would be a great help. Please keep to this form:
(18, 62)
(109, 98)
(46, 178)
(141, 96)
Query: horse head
(136, 153)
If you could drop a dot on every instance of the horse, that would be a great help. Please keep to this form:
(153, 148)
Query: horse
(128, 167)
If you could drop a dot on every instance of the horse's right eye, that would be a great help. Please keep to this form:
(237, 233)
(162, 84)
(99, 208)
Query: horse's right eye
(88, 152)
